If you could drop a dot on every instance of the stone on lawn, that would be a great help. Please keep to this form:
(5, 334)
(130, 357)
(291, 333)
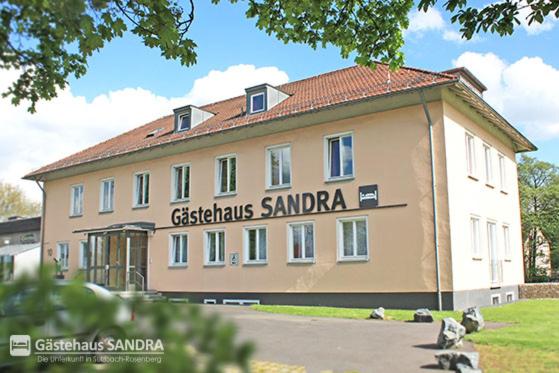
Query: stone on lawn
(377, 314)
(451, 334)
(422, 315)
(456, 360)
(472, 319)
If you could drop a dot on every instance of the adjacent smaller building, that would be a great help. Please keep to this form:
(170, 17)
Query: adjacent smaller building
(20, 248)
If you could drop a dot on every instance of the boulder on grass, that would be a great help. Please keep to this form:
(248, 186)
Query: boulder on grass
(451, 334)
(377, 314)
(458, 360)
(472, 319)
(422, 315)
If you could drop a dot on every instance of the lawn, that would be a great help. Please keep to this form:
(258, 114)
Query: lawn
(530, 341)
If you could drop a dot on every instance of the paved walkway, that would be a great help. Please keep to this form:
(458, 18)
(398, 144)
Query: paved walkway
(338, 345)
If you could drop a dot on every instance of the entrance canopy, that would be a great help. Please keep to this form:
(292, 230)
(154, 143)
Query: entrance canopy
(140, 226)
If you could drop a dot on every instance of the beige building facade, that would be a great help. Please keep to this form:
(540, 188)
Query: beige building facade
(403, 196)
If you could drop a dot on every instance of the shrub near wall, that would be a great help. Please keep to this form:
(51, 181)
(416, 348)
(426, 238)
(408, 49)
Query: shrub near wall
(541, 290)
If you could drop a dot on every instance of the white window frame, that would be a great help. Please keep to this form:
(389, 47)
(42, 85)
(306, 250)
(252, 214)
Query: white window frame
(206, 248)
(281, 185)
(174, 182)
(101, 195)
(64, 264)
(339, 239)
(304, 259)
(505, 229)
(73, 211)
(218, 175)
(83, 251)
(172, 262)
(246, 259)
(475, 241)
(181, 116)
(327, 165)
(502, 172)
(471, 159)
(252, 96)
(135, 189)
(488, 165)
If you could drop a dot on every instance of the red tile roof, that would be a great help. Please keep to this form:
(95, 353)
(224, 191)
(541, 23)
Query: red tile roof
(336, 87)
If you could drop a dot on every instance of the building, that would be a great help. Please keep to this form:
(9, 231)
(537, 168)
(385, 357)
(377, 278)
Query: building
(357, 187)
(20, 248)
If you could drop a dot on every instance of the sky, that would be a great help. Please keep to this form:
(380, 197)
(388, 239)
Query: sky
(128, 84)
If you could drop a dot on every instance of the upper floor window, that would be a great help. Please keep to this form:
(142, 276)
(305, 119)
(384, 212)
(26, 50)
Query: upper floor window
(226, 180)
(141, 189)
(339, 151)
(301, 242)
(470, 155)
(256, 245)
(502, 172)
(257, 103)
(178, 250)
(279, 166)
(62, 255)
(184, 122)
(475, 236)
(76, 202)
(107, 195)
(180, 182)
(215, 247)
(353, 239)
(488, 164)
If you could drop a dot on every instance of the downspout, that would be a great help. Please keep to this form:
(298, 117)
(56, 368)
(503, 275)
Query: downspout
(42, 234)
(434, 193)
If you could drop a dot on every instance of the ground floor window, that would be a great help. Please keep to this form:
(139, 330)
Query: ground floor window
(84, 254)
(178, 252)
(215, 247)
(301, 242)
(62, 253)
(256, 245)
(353, 239)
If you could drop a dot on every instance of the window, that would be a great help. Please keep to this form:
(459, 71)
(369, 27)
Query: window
(184, 122)
(62, 252)
(107, 195)
(488, 164)
(141, 189)
(506, 241)
(84, 255)
(340, 156)
(301, 242)
(178, 250)
(257, 103)
(76, 203)
(495, 300)
(352, 239)
(215, 247)
(226, 175)
(279, 166)
(470, 155)
(475, 237)
(510, 297)
(502, 173)
(256, 245)
(180, 183)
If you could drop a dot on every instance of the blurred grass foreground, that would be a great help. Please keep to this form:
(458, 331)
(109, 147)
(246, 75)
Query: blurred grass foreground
(69, 326)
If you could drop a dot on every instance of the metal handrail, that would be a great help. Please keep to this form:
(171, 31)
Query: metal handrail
(136, 278)
(142, 283)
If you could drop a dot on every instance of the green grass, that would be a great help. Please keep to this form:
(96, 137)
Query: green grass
(529, 342)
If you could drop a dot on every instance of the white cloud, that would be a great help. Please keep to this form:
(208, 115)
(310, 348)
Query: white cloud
(430, 21)
(526, 92)
(70, 123)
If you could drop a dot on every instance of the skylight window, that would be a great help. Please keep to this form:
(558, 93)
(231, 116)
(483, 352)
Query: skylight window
(257, 102)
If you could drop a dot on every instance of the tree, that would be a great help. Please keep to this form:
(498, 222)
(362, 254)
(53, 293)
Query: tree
(48, 41)
(539, 200)
(14, 202)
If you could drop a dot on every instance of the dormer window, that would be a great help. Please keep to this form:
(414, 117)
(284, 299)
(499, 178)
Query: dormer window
(184, 122)
(257, 102)
(188, 117)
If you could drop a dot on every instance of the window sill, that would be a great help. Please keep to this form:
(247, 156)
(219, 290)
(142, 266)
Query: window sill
(508, 260)
(140, 207)
(178, 201)
(102, 212)
(228, 194)
(490, 185)
(75, 216)
(340, 178)
(477, 258)
(353, 259)
(177, 266)
(255, 263)
(272, 188)
(220, 264)
(301, 261)
(474, 178)
(504, 192)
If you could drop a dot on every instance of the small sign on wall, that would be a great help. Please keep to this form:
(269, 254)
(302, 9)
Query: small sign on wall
(368, 196)
(234, 259)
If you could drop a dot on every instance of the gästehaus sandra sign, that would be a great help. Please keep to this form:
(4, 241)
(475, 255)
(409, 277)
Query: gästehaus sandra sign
(271, 207)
